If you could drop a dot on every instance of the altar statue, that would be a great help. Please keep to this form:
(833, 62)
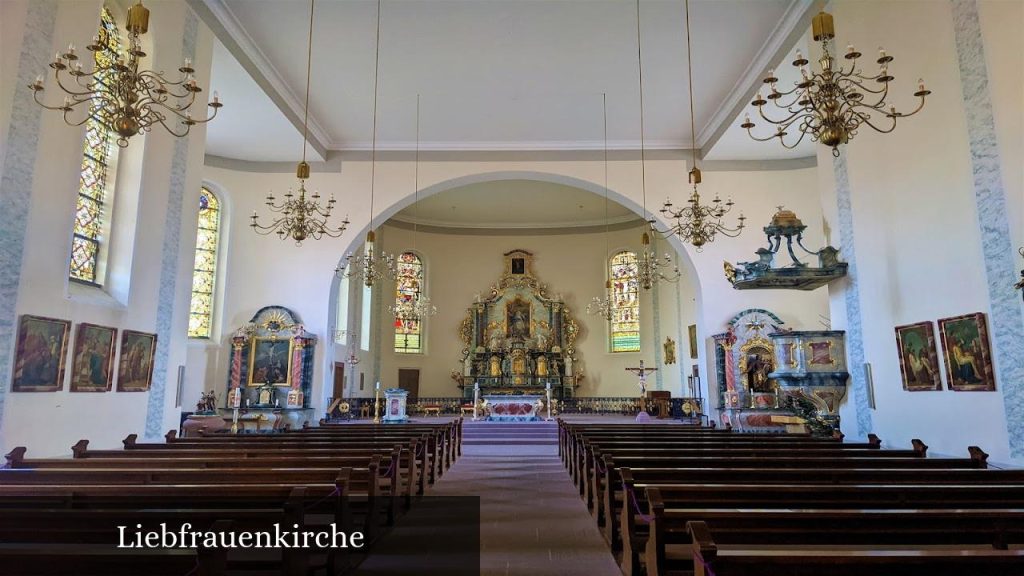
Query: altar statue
(542, 366)
(495, 369)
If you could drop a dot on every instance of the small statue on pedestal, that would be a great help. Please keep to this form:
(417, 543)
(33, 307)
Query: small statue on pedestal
(207, 403)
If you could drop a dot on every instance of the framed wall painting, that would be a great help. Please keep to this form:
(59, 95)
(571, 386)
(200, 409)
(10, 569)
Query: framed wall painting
(40, 354)
(966, 351)
(919, 361)
(92, 359)
(135, 370)
(270, 362)
(692, 333)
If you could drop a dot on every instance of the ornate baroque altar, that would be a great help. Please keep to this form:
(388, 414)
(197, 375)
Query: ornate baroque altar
(519, 339)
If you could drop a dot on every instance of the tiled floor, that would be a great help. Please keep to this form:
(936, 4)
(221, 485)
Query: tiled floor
(532, 520)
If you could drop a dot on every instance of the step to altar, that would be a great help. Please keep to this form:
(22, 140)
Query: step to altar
(484, 433)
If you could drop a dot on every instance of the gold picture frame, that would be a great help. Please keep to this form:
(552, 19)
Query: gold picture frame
(265, 362)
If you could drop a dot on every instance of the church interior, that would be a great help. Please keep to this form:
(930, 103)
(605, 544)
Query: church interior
(713, 287)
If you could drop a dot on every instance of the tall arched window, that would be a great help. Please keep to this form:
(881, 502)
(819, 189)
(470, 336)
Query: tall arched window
(204, 275)
(625, 324)
(95, 187)
(408, 287)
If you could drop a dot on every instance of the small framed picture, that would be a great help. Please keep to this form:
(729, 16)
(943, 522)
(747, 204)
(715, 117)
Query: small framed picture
(40, 354)
(92, 359)
(135, 370)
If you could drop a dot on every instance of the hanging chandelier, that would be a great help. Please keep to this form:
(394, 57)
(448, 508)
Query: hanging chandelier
(117, 94)
(651, 268)
(411, 308)
(694, 222)
(832, 104)
(372, 266)
(301, 217)
(604, 306)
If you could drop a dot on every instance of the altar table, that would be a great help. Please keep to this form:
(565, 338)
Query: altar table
(518, 408)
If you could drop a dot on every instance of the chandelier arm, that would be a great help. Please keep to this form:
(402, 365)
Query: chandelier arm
(784, 121)
(865, 119)
(859, 82)
(920, 105)
(799, 139)
(73, 93)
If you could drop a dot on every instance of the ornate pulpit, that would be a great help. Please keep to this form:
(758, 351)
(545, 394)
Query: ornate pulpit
(519, 340)
(394, 406)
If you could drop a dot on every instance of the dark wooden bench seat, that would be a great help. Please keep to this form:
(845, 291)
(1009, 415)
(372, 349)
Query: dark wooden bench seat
(711, 558)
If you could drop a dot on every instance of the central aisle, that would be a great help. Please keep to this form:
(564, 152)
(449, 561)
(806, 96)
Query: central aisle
(532, 520)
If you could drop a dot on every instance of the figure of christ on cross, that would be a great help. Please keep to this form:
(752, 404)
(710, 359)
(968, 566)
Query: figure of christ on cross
(641, 371)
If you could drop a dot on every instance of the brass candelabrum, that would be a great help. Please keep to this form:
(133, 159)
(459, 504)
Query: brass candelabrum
(376, 405)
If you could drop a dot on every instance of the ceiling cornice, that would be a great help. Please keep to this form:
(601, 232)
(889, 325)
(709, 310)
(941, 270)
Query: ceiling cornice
(505, 230)
(225, 26)
(448, 224)
(505, 146)
(787, 32)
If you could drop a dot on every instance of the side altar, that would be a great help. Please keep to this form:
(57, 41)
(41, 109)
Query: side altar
(519, 340)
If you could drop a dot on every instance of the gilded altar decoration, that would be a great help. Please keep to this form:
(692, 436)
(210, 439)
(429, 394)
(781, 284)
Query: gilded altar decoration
(272, 350)
(519, 339)
(670, 351)
(919, 362)
(797, 275)
(966, 350)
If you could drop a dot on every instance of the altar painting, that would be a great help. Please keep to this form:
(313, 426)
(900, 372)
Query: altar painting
(270, 362)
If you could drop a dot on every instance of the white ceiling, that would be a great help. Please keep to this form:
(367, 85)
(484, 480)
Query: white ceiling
(492, 74)
(515, 204)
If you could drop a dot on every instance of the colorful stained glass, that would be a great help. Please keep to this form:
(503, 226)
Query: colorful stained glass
(204, 273)
(408, 287)
(625, 324)
(99, 153)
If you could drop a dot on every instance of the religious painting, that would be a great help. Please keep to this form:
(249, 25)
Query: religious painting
(820, 354)
(92, 364)
(517, 319)
(519, 265)
(692, 329)
(270, 362)
(966, 351)
(919, 362)
(40, 355)
(135, 371)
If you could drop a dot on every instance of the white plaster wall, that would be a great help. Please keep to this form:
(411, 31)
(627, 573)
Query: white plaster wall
(917, 241)
(12, 28)
(264, 270)
(49, 423)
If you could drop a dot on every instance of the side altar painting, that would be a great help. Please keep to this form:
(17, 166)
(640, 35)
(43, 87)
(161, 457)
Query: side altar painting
(519, 339)
(271, 362)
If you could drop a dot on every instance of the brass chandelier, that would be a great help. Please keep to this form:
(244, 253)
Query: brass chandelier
(301, 217)
(409, 309)
(604, 306)
(372, 266)
(832, 104)
(124, 99)
(651, 268)
(698, 223)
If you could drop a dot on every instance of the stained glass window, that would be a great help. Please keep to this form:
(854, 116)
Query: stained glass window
(408, 287)
(94, 194)
(625, 324)
(204, 274)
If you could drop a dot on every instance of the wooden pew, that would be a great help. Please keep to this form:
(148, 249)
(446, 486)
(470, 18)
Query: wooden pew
(712, 558)
(756, 497)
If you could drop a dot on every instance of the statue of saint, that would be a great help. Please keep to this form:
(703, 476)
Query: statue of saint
(495, 370)
(670, 351)
(542, 365)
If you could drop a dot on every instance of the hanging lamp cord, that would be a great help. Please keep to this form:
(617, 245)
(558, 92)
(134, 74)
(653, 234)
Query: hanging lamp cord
(689, 85)
(373, 146)
(309, 67)
(640, 70)
(416, 177)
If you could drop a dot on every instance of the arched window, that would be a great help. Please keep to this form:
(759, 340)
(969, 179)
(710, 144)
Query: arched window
(408, 287)
(95, 187)
(625, 324)
(204, 274)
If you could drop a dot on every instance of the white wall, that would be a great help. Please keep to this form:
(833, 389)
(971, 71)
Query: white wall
(49, 423)
(918, 245)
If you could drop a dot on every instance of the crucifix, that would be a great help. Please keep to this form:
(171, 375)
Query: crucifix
(641, 371)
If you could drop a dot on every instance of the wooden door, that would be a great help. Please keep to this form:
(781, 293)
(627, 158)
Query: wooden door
(409, 380)
(339, 380)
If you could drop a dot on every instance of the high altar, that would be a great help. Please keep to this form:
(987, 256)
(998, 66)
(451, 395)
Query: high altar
(519, 339)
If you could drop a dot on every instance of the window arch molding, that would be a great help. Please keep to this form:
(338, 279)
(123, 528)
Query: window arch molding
(219, 270)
